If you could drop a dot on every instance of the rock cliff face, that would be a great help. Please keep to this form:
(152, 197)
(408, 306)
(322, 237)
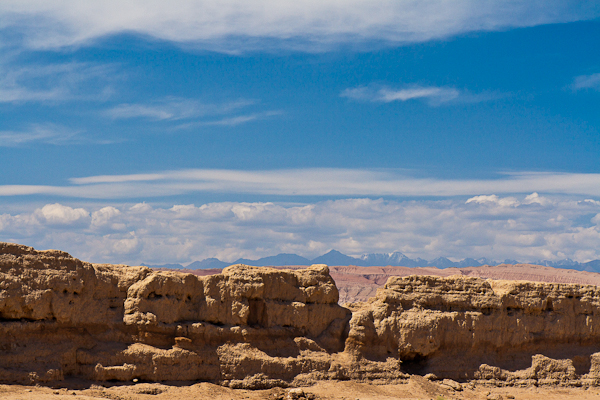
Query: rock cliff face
(467, 328)
(260, 327)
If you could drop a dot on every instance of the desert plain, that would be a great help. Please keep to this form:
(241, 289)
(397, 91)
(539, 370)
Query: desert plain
(416, 389)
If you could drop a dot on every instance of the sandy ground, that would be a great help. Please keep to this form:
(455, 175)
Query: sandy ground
(416, 388)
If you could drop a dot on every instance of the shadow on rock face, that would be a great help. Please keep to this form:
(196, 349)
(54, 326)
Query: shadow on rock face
(252, 327)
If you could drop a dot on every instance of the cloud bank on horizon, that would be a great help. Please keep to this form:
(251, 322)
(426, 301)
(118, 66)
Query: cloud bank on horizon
(527, 228)
(453, 128)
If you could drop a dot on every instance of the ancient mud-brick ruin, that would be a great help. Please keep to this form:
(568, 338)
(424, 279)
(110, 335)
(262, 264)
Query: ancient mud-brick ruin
(252, 327)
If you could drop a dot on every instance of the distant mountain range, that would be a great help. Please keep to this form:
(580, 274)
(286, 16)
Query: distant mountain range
(395, 259)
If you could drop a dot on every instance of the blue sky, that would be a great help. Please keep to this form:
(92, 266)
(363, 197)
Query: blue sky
(282, 116)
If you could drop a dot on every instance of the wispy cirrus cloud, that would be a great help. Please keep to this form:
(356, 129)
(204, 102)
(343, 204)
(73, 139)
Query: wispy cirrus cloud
(490, 226)
(586, 82)
(174, 109)
(385, 94)
(54, 82)
(189, 113)
(309, 182)
(48, 133)
(233, 120)
(237, 25)
(52, 134)
(432, 95)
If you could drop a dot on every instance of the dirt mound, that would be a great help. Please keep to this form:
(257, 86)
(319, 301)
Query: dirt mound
(251, 327)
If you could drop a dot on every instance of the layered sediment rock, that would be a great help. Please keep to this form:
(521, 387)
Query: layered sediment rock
(250, 326)
(467, 328)
(259, 327)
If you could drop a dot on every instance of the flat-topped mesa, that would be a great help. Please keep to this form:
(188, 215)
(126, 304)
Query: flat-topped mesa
(451, 326)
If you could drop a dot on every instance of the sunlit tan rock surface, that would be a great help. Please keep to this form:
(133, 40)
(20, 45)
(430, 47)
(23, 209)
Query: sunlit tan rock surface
(361, 283)
(251, 327)
(458, 327)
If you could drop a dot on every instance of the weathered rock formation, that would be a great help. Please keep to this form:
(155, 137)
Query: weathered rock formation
(361, 283)
(259, 327)
(467, 328)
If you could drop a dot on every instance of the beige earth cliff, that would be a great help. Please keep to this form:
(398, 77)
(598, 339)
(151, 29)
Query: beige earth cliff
(257, 328)
(361, 283)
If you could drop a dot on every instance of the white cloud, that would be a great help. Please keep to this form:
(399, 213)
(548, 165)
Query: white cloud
(535, 198)
(53, 82)
(241, 119)
(104, 215)
(234, 25)
(485, 227)
(433, 95)
(175, 109)
(310, 182)
(126, 245)
(231, 121)
(57, 214)
(123, 111)
(191, 113)
(586, 82)
(437, 94)
(51, 134)
(107, 218)
(495, 200)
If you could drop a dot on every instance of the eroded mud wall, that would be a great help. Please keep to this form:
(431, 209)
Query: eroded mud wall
(258, 327)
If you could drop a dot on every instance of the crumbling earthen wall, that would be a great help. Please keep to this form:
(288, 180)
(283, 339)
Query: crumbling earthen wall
(452, 326)
(258, 327)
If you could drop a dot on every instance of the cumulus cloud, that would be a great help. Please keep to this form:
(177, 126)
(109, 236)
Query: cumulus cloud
(107, 218)
(489, 226)
(535, 198)
(57, 214)
(586, 82)
(237, 25)
(126, 245)
(494, 200)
